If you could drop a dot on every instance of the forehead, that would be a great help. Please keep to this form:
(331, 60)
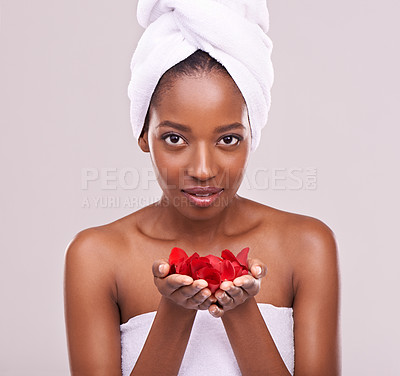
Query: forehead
(212, 97)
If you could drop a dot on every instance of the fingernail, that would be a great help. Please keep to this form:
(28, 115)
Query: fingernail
(225, 286)
(258, 270)
(161, 268)
(220, 295)
(214, 310)
(201, 286)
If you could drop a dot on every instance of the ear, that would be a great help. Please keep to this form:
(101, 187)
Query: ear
(143, 142)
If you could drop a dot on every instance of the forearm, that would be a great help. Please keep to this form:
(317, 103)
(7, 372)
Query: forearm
(251, 341)
(167, 340)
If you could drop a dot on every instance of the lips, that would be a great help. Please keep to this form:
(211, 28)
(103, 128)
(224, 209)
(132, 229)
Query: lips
(202, 190)
(202, 196)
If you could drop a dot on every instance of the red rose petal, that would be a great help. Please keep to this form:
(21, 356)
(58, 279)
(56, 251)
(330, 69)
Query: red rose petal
(242, 256)
(213, 286)
(183, 268)
(194, 256)
(198, 264)
(244, 272)
(172, 269)
(226, 254)
(177, 255)
(214, 261)
(212, 277)
(189, 263)
(236, 264)
(227, 271)
(211, 268)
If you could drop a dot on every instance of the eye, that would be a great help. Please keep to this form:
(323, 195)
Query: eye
(229, 140)
(173, 139)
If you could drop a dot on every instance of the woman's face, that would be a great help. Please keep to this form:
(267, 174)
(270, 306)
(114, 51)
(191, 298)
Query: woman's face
(199, 140)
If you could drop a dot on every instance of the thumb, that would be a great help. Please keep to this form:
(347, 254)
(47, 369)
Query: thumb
(257, 268)
(160, 268)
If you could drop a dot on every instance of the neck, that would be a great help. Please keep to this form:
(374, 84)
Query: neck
(198, 231)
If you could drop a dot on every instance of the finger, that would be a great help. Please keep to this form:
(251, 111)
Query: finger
(200, 283)
(226, 285)
(236, 293)
(186, 292)
(257, 268)
(199, 298)
(207, 303)
(215, 311)
(248, 283)
(171, 283)
(223, 298)
(160, 268)
(204, 306)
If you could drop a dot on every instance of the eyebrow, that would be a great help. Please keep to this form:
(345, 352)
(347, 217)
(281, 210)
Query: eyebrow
(177, 126)
(184, 128)
(228, 127)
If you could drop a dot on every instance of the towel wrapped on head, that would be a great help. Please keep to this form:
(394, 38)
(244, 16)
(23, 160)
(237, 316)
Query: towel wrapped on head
(233, 32)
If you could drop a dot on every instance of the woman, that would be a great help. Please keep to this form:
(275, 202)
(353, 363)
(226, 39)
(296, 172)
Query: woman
(198, 134)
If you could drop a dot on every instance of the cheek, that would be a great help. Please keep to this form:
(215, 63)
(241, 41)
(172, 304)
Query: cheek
(236, 177)
(232, 172)
(169, 170)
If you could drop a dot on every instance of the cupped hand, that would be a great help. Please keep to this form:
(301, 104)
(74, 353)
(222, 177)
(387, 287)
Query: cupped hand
(182, 289)
(231, 294)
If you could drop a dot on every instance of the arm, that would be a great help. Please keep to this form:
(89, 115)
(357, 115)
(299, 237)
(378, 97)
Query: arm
(315, 307)
(316, 304)
(166, 341)
(181, 297)
(251, 341)
(238, 305)
(254, 348)
(91, 312)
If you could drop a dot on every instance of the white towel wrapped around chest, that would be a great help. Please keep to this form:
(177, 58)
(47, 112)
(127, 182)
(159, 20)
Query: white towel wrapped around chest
(208, 351)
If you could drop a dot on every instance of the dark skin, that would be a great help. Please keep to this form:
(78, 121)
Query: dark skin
(108, 270)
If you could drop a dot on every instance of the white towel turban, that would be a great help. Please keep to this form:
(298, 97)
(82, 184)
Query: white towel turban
(231, 31)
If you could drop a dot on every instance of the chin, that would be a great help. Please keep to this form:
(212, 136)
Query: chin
(201, 212)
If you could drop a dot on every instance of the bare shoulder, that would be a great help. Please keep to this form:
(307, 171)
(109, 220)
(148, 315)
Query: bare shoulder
(300, 229)
(93, 247)
(307, 243)
(310, 236)
(313, 243)
(91, 298)
(89, 262)
(95, 255)
(105, 240)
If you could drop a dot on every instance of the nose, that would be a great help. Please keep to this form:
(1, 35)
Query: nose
(202, 164)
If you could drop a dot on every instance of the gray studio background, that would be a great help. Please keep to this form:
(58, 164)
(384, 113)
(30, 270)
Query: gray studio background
(69, 160)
